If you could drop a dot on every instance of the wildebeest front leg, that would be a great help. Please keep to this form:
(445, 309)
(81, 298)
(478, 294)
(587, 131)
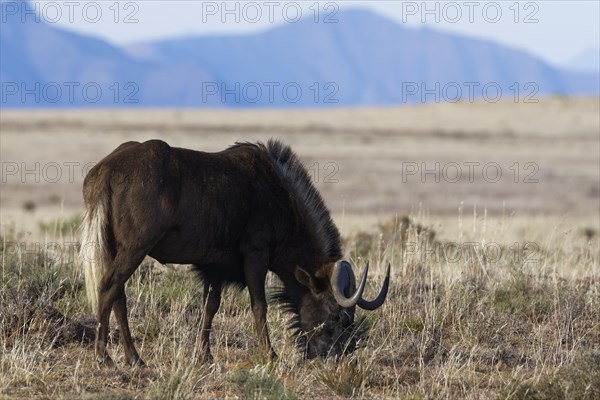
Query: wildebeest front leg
(255, 272)
(212, 301)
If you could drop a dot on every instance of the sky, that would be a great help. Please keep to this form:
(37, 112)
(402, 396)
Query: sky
(555, 30)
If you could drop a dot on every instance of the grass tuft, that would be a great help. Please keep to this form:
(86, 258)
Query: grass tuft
(345, 376)
(259, 384)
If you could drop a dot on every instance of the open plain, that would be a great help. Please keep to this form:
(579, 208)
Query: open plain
(488, 213)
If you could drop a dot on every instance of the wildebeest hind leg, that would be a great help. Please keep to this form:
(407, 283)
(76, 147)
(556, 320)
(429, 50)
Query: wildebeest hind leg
(111, 286)
(120, 309)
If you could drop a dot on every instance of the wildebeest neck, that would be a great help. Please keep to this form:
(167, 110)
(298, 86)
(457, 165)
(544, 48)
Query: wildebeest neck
(309, 202)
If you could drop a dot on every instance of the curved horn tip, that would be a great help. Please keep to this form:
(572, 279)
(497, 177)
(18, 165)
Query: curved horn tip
(378, 302)
(363, 280)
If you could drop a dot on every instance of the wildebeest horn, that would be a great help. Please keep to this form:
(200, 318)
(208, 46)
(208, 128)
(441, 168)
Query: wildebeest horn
(374, 304)
(340, 278)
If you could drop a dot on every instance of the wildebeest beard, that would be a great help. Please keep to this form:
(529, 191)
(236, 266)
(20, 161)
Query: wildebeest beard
(338, 334)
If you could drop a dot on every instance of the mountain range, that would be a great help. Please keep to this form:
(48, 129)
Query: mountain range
(586, 61)
(364, 59)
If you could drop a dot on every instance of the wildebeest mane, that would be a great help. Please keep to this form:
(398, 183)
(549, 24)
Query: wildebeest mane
(309, 200)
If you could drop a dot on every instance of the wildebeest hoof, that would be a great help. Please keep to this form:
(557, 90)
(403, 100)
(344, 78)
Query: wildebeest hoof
(208, 358)
(106, 362)
(137, 362)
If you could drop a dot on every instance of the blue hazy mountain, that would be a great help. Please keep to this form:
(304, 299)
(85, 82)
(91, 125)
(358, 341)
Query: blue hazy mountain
(364, 59)
(586, 61)
(42, 65)
(35, 54)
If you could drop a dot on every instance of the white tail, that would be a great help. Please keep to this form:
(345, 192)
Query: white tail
(94, 250)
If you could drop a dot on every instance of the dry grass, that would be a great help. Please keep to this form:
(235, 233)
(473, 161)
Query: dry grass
(498, 300)
(506, 320)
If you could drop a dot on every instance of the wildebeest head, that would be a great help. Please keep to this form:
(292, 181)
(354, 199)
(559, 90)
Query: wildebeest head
(325, 314)
(319, 290)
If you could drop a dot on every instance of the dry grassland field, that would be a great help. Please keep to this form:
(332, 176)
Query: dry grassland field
(488, 213)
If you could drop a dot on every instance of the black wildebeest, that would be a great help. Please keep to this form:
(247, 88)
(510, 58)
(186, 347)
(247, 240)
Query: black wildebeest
(234, 215)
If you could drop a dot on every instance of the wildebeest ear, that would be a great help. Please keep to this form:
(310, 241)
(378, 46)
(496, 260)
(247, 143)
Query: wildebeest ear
(304, 278)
